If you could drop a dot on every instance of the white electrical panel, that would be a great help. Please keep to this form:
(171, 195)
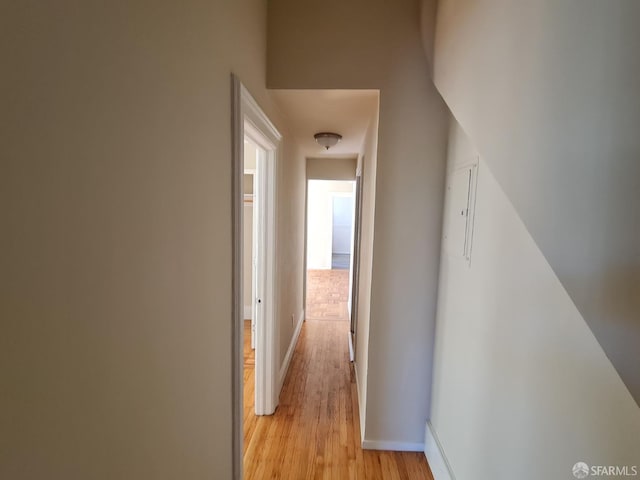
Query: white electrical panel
(460, 206)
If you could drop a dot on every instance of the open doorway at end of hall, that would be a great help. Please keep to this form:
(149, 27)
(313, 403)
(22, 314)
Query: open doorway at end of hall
(330, 242)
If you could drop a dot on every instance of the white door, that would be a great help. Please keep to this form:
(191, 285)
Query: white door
(355, 264)
(259, 252)
(254, 260)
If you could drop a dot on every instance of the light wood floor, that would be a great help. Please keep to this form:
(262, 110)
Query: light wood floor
(249, 353)
(327, 292)
(315, 432)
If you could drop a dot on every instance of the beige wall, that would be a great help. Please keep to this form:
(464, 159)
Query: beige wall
(248, 184)
(535, 340)
(250, 155)
(332, 168)
(290, 244)
(115, 194)
(377, 44)
(544, 90)
(518, 374)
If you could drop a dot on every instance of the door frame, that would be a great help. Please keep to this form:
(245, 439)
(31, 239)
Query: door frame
(356, 233)
(355, 262)
(247, 118)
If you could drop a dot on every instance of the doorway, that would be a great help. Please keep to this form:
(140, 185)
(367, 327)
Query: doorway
(261, 300)
(330, 244)
(254, 135)
(253, 253)
(342, 230)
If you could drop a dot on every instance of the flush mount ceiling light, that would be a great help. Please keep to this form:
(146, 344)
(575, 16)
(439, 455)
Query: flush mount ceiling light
(327, 139)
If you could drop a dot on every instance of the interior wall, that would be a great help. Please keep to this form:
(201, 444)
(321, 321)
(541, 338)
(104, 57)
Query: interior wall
(115, 194)
(326, 168)
(290, 245)
(250, 155)
(547, 92)
(377, 45)
(248, 183)
(518, 374)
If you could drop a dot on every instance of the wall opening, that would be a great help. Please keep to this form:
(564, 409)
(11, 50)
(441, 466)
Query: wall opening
(330, 241)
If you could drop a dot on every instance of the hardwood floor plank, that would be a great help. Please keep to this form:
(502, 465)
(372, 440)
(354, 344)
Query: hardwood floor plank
(315, 432)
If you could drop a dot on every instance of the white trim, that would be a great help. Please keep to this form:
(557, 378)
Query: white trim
(247, 118)
(438, 463)
(351, 352)
(258, 127)
(351, 265)
(393, 446)
(292, 346)
(255, 207)
(305, 272)
(237, 323)
(360, 410)
(247, 312)
(254, 113)
(266, 394)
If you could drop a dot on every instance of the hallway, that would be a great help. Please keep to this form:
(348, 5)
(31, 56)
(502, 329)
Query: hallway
(315, 432)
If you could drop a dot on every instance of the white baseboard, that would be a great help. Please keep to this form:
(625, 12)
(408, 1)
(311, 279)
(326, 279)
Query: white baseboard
(435, 456)
(360, 410)
(287, 357)
(394, 446)
(351, 352)
(247, 312)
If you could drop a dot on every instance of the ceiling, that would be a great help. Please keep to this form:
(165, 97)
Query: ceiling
(347, 112)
